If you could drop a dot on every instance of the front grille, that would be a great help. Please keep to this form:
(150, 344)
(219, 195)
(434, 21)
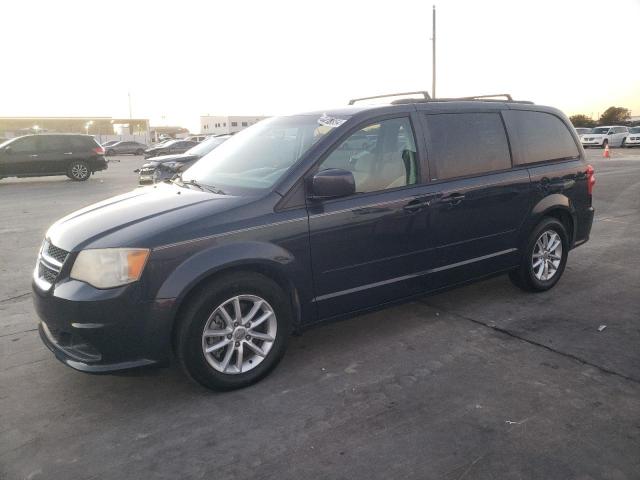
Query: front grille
(50, 262)
(47, 274)
(56, 252)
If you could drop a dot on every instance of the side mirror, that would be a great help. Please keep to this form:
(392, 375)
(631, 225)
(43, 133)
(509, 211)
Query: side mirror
(332, 183)
(8, 150)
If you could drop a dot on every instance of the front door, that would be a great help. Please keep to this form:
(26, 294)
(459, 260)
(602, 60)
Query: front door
(365, 247)
(21, 157)
(481, 202)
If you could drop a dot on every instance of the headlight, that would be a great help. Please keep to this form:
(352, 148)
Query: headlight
(109, 267)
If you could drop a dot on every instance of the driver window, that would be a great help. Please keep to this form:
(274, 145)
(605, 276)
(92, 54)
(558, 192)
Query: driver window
(380, 156)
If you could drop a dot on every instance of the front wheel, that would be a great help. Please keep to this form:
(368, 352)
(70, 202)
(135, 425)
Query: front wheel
(544, 258)
(234, 331)
(78, 171)
(605, 143)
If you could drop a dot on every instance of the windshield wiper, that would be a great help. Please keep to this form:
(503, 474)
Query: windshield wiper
(178, 180)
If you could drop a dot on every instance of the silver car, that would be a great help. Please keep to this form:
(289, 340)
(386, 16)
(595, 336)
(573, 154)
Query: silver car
(126, 147)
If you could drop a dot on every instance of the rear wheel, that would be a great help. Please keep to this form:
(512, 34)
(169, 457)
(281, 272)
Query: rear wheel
(111, 152)
(234, 331)
(544, 258)
(78, 171)
(139, 152)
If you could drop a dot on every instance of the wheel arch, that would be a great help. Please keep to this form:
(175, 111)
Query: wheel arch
(269, 260)
(557, 206)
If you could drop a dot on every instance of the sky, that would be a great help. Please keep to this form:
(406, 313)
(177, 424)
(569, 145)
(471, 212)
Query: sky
(180, 60)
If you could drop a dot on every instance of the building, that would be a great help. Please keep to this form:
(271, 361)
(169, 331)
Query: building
(223, 124)
(103, 128)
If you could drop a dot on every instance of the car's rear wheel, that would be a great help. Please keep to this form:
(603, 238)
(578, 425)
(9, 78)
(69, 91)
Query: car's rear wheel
(139, 152)
(544, 258)
(234, 331)
(79, 171)
(111, 152)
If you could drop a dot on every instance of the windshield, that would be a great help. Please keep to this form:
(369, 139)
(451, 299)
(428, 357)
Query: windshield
(167, 143)
(207, 145)
(258, 156)
(601, 130)
(634, 130)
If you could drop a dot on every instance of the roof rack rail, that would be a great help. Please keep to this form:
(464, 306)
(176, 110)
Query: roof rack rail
(480, 97)
(421, 92)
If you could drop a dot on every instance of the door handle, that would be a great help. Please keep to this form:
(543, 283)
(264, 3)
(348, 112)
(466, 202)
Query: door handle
(34, 155)
(68, 153)
(415, 205)
(453, 199)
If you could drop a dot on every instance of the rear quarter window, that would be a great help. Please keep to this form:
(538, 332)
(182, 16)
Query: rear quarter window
(539, 136)
(83, 143)
(462, 144)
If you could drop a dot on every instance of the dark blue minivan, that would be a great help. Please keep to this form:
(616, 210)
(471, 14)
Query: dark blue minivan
(305, 218)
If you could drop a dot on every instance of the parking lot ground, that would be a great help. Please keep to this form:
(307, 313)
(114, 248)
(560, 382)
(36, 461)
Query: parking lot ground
(479, 382)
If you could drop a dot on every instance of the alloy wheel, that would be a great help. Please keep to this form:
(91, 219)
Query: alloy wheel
(547, 255)
(79, 171)
(239, 334)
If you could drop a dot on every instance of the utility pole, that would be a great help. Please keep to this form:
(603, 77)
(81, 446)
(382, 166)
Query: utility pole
(433, 55)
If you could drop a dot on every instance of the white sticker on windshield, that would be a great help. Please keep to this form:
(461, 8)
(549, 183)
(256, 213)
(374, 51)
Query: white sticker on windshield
(332, 122)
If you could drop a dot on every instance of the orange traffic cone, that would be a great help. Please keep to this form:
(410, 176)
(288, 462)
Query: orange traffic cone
(606, 153)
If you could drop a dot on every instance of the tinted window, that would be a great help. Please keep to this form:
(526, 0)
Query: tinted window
(54, 143)
(466, 144)
(540, 136)
(23, 145)
(83, 143)
(380, 156)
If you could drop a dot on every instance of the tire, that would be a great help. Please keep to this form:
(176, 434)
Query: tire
(220, 369)
(623, 144)
(605, 143)
(139, 152)
(78, 171)
(532, 278)
(111, 153)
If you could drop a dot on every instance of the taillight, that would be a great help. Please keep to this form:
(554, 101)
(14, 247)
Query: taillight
(99, 150)
(591, 179)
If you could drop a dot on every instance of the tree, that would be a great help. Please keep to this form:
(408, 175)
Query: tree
(581, 120)
(615, 116)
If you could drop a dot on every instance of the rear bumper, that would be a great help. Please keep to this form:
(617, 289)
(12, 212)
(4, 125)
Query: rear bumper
(584, 222)
(101, 331)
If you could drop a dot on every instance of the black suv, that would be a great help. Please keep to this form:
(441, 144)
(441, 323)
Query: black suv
(306, 218)
(76, 156)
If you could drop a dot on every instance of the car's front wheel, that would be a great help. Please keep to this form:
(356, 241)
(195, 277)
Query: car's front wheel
(79, 171)
(234, 331)
(544, 257)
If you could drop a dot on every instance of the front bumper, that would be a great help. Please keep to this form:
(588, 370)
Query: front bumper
(592, 143)
(101, 331)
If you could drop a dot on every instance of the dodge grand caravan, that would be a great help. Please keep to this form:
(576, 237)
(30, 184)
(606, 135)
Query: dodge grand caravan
(305, 218)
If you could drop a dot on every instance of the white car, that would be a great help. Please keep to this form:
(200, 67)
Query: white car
(633, 139)
(614, 136)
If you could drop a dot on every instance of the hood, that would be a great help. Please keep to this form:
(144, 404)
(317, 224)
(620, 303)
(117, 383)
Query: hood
(145, 217)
